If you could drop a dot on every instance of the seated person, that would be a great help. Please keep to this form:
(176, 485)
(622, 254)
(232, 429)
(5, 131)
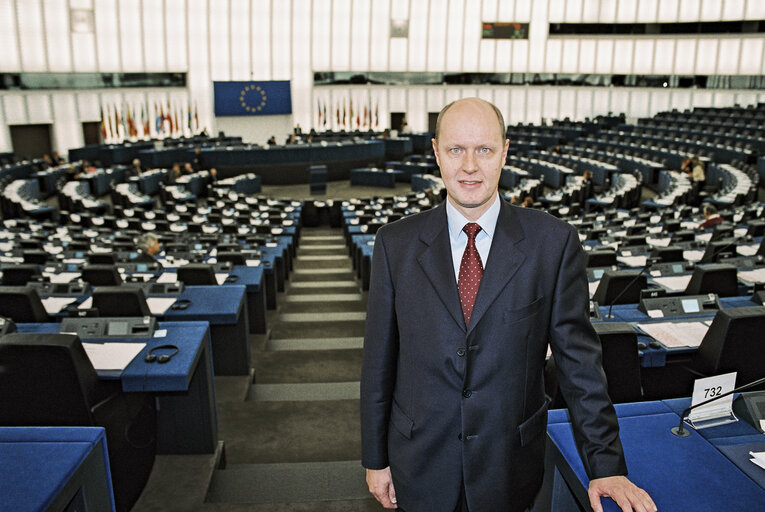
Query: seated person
(712, 217)
(148, 248)
(528, 202)
(134, 170)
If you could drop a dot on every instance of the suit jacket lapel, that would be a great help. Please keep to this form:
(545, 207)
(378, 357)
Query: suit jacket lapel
(436, 262)
(505, 258)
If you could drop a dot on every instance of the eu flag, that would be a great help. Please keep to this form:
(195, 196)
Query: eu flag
(252, 98)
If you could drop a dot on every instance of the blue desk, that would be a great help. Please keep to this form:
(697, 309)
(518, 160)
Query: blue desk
(224, 308)
(187, 420)
(252, 278)
(374, 177)
(49, 468)
(679, 473)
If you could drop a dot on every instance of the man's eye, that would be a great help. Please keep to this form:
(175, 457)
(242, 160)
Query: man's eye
(454, 150)
(485, 150)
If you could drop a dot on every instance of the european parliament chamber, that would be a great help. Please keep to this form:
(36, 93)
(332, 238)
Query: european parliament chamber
(190, 194)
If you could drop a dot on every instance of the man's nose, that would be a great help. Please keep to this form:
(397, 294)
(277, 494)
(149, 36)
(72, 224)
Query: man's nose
(470, 162)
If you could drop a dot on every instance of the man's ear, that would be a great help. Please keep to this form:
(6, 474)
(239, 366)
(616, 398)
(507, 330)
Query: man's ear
(435, 150)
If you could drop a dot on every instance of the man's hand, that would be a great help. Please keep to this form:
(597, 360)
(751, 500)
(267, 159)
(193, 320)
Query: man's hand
(626, 494)
(381, 486)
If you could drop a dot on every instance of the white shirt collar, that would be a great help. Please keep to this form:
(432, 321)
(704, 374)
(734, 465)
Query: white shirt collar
(488, 221)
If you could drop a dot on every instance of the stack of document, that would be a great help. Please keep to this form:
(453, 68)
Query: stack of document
(676, 334)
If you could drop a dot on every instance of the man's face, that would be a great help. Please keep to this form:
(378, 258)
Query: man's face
(470, 150)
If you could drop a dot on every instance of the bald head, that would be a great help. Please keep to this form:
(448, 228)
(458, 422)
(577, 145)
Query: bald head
(476, 103)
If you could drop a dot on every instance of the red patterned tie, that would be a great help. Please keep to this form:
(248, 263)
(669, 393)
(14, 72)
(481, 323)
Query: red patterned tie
(471, 271)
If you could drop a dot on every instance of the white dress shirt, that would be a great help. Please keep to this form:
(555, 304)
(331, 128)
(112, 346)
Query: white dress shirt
(458, 239)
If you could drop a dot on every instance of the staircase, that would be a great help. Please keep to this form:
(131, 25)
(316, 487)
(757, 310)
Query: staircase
(292, 441)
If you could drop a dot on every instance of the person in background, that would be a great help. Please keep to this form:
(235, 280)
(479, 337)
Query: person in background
(148, 248)
(298, 130)
(135, 169)
(188, 168)
(711, 217)
(272, 140)
(528, 202)
(174, 174)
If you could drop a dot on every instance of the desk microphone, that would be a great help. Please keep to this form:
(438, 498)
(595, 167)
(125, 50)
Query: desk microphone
(680, 430)
(648, 262)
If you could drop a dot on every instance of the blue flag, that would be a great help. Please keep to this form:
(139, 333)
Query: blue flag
(252, 98)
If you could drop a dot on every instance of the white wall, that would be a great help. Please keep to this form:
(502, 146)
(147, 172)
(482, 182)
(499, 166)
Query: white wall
(257, 129)
(219, 40)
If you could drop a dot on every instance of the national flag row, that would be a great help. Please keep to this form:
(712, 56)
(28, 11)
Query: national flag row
(343, 115)
(144, 121)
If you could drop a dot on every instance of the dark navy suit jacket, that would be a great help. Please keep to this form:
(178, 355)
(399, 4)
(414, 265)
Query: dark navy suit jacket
(441, 403)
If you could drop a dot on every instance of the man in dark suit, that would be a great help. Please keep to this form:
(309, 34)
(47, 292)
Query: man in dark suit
(453, 409)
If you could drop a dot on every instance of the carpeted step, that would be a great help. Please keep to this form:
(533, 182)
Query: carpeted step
(300, 275)
(305, 391)
(323, 250)
(334, 261)
(294, 366)
(295, 482)
(290, 431)
(302, 288)
(322, 297)
(323, 317)
(315, 343)
(321, 306)
(336, 329)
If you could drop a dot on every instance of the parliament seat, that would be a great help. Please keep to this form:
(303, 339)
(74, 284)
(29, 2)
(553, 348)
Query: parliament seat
(101, 275)
(48, 380)
(118, 301)
(717, 278)
(22, 305)
(20, 274)
(620, 287)
(197, 274)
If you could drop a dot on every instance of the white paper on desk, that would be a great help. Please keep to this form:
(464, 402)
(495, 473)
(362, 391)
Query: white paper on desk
(718, 412)
(593, 285)
(632, 261)
(658, 242)
(168, 277)
(673, 283)
(676, 334)
(704, 237)
(55, 304)
(221, 277)
(158, 305)
(63, 277)
(112, 356)
(758, 457)
(747, 250)
(755, 276)
(253, 263)
(86, 304)
(693, 255)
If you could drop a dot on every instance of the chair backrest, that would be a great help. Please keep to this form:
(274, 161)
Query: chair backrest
(38, 257)
(20, 275)
(236, 258)
(102, 258)
(621, 362)
(47, 379)
(101, 275)
(734, 342)
(119, 301)
(195, 274)
(668, 254)
(22, 305)
(620, 287)
(718, 249)
(598, 258)
(719, 278)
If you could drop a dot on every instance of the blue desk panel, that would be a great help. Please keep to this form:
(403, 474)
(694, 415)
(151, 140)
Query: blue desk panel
(47, 468)
(187, 418)
(679, 473)
(224, 307)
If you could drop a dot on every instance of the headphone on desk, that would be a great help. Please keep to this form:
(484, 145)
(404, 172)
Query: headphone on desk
(181, 304)
(163, 358)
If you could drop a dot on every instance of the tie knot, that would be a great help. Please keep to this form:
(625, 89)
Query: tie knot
(471, 229)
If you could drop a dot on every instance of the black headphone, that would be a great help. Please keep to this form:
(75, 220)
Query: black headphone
(181, 304)
(164, 358)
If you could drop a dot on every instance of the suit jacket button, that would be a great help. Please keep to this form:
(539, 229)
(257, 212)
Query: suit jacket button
(466, 393)
(461, 352)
